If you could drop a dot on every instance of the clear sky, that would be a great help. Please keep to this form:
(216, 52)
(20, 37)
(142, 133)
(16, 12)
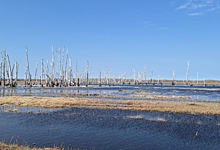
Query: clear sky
(119, 34)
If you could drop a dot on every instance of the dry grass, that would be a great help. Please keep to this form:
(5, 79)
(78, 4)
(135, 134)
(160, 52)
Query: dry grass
(161, 120)
(138, 117)
(61, 102)
(4, 146)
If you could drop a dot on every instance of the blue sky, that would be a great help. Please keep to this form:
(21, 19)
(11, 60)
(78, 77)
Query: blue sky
(118, 34)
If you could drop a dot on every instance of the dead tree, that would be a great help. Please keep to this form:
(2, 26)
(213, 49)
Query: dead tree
(134, 76)
(57, 77)
(4, 67)
(87, 74)
(145, 74)
(1, 68)
(70, 71)
(62, 68)
(52, 65)
(16, 73)
(187, 73)
(100, 81)
(151, 77)
(65, 71)
(36, 73)
(76, 72)
(10, 75)
(173, 78)
(28, 69)
(47, 75)
(42, 72)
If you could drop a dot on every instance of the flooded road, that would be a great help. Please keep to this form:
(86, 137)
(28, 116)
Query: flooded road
(88, 128)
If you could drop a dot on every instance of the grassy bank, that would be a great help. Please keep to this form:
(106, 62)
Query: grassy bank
(61, 102)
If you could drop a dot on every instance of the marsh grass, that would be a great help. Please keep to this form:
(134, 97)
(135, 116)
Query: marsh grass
(14, 110)
(4, 146)
(161, 120)
(138, 117)
(136, 105)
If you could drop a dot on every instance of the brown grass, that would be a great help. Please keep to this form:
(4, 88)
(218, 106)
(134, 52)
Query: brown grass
(61, 102)
(4, 146)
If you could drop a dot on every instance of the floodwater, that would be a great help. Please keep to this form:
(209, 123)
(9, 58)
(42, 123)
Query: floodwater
(88, 128)
(195, 94)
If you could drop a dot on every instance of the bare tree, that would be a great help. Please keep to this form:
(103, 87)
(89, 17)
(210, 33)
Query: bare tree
(70, 71)
(187, 72)
(10, 72)
(87, 74)
(27, 67)
(173, 78)
(36, 73)
(42, 72)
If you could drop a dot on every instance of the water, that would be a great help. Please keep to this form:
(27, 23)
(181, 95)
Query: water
(88, 128)
(195, 94)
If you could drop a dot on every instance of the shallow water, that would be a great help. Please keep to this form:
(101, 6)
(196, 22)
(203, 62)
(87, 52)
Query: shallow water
(88, 128)
(195, 94)
(111, 129)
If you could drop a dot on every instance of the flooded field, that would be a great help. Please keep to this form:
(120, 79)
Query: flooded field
(94, 128)
(194, 94)
(111, 129)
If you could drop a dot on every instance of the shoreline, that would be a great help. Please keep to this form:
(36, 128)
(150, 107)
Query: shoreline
(133, 105)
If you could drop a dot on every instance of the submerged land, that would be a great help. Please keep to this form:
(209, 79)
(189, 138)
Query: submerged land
(133, 105)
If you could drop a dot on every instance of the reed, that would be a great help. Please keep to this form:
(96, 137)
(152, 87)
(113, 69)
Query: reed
(161, 120)
(137, 105)
(138, 117)
(4, 146)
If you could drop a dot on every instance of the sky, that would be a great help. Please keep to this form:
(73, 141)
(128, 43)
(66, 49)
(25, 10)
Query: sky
(117, 35)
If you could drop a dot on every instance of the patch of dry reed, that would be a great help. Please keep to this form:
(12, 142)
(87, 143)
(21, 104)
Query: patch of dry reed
(4, 146)
(138, 105)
